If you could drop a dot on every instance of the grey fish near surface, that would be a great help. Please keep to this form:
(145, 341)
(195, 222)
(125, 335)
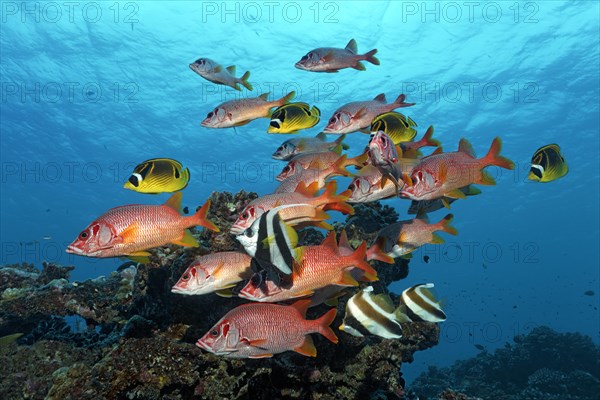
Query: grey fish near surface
(359, 115)
(296, 146)
(242, 111)
(215, 73)
(331, 59)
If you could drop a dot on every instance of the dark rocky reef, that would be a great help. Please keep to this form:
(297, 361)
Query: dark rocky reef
(137, 339)
(543, 365)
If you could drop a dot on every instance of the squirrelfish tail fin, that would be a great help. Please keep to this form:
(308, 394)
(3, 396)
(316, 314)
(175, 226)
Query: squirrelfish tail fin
(376, 252)
(493, 156)
(322, 325)
(370, 57)
(244, 81)
(445, 226)
(199, 218)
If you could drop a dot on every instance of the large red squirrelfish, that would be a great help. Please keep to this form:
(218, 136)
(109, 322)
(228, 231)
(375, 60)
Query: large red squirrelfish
(310, 208)
(320, 266)
(262, 330)
(358, 115)
(443, 174)
(240, 112)
(216, 272)
(130, 230)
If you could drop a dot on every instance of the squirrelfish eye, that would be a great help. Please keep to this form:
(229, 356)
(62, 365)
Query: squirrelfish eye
(287, 168)
(186, 276)
(304, 58)
(214, 333)
(245, 215)
(84, 235)
(210, 114)
(352, 187)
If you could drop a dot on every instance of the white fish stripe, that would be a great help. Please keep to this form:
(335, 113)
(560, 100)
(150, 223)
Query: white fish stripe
(538, 167)
(421, 305)
(373, 317)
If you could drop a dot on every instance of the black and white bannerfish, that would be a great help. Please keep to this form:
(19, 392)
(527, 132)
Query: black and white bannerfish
(369, 314)
(272, 242)
(419, 304)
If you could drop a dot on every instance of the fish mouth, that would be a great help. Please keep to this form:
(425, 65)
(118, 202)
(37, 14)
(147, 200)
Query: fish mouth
(200, 343)
(236, 230)
(299, 66)
(74, 250)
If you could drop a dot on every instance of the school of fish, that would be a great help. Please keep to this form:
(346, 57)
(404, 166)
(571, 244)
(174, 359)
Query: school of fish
(279, 278)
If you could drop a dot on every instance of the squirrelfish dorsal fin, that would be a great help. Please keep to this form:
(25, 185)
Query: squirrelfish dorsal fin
(330, 241)
(264, 96)
(464, 146)
(351, 46)
(175, 202)
(231, 69)
(302, 306)
(381, 98)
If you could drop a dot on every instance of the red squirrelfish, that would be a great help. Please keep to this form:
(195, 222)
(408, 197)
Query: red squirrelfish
(331, 59)
(366, 186)
(317, 161)
(404, 237)
(262, 330)
(214, 272)
(129, 230)
(310, 211)
(320, 266)
(240, 112)
(443, 174)
(358, 115)
(313, 175)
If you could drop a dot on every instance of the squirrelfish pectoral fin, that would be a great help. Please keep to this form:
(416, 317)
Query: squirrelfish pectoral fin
(129, 234)
(307, 347)
(187, 240)
(445, 203)
(142, 257)
(224, 293)
(265, 355)
(436, 239)
(455, 194)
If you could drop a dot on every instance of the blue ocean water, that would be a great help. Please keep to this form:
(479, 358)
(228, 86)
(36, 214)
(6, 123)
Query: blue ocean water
(90, 89)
